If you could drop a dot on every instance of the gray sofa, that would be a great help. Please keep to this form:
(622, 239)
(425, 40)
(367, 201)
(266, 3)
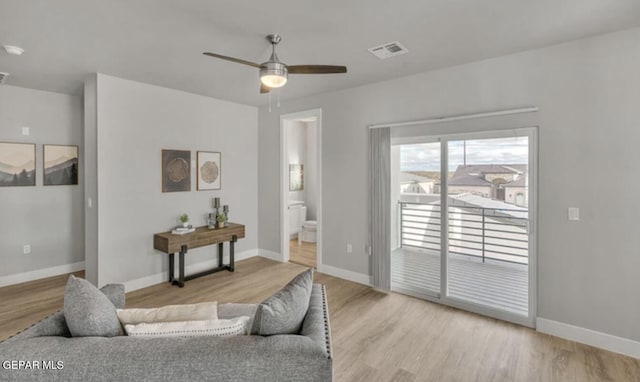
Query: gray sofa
(303, 357)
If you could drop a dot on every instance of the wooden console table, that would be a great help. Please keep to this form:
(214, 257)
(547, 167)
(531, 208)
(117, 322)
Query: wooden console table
(201, 237)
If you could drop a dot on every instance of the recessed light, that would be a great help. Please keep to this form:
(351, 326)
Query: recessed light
(14, 50)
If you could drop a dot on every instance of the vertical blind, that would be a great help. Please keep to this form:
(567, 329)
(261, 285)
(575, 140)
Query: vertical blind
(380, 208)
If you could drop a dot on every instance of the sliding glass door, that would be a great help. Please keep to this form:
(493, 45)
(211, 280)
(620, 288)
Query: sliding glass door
(465, 215)
(416, 263)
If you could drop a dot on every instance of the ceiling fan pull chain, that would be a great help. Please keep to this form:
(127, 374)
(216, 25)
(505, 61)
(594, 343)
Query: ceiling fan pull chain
(269, 102)
(278, 95)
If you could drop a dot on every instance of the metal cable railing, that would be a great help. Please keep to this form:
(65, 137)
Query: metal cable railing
(487, 233)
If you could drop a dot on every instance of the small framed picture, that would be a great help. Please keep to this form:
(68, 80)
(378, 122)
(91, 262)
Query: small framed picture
(296, 177)
(209, 170)
(176, 170)
(60, 165)
(17, 164)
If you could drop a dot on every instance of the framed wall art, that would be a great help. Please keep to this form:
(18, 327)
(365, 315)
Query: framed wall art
(209, 170)
(17, 164)
(176, 170)
(296, 177)
(60, 165)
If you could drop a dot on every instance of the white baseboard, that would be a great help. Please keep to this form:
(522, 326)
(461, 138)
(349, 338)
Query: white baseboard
(188, 269)
(270, 255)
(40, 273)
(356, 277)
(589, 337)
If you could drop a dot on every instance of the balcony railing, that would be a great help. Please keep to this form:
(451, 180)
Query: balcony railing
(499, 234)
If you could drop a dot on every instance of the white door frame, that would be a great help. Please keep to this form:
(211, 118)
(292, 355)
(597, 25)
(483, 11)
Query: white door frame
(442, 297)
(284, 184)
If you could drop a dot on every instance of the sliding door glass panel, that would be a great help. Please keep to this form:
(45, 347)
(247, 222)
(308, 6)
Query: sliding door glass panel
(416, 263)
(488, 220)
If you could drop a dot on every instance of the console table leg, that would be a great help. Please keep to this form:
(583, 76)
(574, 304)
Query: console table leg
(183, 250)
(171, 266)
(232, 253)
(220, 254)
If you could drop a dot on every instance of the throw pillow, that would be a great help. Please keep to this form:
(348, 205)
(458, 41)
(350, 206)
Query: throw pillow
(169, 313)
(284, 312)
(216, 328)
(88, 312)
(115, 293)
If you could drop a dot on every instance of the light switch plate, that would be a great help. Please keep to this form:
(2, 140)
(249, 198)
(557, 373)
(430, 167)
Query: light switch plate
(25, 130)
(573, 214)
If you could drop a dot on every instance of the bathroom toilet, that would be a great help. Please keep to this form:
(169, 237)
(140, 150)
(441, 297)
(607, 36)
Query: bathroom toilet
(308, 232)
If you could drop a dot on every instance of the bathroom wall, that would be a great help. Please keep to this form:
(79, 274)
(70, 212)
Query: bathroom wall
(297, 144)
(311, 172)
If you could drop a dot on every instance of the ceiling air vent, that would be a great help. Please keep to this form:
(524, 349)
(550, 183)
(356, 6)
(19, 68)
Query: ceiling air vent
(3, 77)
(388, 50)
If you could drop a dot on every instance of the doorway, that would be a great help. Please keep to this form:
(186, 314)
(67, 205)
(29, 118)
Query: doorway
(464, 210)
(300, 188)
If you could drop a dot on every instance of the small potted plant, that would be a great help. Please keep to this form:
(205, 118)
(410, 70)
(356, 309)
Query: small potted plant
(221, 218)
(184, 218)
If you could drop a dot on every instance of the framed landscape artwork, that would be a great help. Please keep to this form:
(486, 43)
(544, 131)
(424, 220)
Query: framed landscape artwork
(296, 177)
(176, 170)
(209, 170)
(17, 164)
(60, 165)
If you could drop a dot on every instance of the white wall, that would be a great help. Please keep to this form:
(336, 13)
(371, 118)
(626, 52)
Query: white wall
(49, 218)
(588, 92)
(135, 121)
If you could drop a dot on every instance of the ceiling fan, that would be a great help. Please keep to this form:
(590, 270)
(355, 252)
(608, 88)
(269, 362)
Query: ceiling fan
(274, 73)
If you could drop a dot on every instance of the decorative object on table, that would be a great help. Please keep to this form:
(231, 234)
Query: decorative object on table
(60, 165)
(296, 177)
(183, 230)
(211, 220)
(221, 218)
(218, 218)
(208, 164)
(184, 219)
(176, 170)
(17, 164)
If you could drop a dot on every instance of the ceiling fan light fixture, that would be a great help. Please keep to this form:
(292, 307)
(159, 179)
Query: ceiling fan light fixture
(273, 74)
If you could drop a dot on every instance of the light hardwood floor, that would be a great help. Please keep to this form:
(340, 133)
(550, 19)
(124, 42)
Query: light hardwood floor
(303, 253)
(377, 336)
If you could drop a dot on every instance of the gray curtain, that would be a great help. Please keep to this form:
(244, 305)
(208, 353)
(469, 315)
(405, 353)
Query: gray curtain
(380, 206)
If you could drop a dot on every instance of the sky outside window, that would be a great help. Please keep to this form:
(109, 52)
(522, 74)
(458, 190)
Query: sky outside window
(426, 157)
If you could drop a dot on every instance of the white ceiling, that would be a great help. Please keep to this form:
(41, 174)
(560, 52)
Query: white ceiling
(161, 41)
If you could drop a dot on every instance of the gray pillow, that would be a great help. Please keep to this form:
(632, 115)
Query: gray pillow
(88, 312)
(284, 312)
(115, 293)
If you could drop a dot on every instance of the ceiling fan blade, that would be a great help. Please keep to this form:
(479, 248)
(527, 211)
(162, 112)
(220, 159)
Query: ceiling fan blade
(264, 88)
(232, 59)
(316, 69)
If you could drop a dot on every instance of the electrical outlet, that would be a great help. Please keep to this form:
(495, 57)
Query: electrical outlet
(25, 130)
(26, 249)
(349, 248)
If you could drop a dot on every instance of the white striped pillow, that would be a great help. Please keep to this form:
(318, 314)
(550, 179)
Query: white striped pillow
(216, 328)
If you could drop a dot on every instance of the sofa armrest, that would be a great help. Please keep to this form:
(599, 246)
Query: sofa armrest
(56, 325)
(316, 323)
